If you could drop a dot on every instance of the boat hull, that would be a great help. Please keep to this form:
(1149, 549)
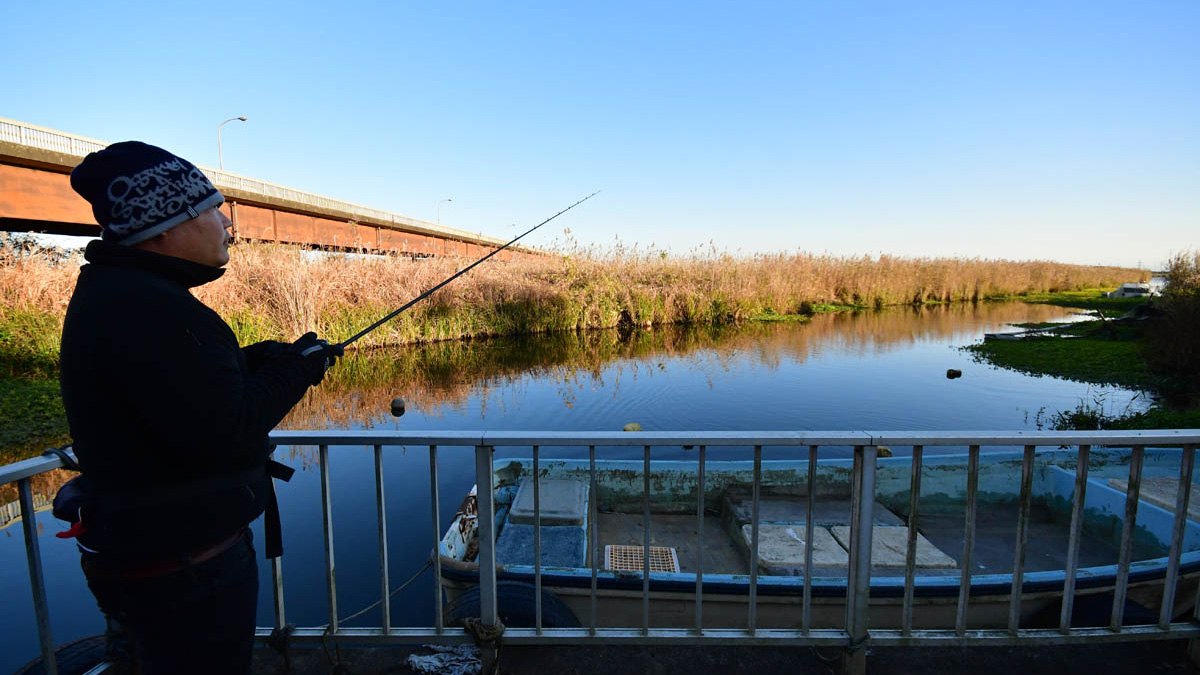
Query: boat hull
(617, 608)
(620, 602)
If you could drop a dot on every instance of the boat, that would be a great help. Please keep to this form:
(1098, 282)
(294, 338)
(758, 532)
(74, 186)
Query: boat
(1139, 289)
(598, 533)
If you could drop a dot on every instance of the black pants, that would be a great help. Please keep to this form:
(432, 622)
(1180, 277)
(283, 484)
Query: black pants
(198, 620)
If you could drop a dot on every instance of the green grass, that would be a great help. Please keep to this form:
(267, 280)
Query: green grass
(29, 343)
(806, 311)
(32, 412)
(769, 316)
(1099, 355)
(1092, 298)
(828, 308)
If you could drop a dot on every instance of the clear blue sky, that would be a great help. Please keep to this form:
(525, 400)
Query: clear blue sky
(1064, 130)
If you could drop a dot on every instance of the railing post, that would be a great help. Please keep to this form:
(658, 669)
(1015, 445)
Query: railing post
(1125, 556)
(277, 591)
(858, 579)
(964, 586)
(646, 541)
(537, 544)
(381, 516)
(327, 521)
(1078, 499)
(700, 542)
(1182, 503)
(1023, 509)
(436, 509)
(485, 503)
(37, 578)
(910, 556)
(594, 536)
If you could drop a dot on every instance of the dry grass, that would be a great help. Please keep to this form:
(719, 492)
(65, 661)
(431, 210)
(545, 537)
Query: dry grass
(277, 292)
(274, 290)
(35, 287)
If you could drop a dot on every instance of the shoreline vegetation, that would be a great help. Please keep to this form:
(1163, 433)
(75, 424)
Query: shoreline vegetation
(277, 292)
(1156, 350)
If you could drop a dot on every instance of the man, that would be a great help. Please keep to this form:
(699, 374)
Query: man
(170, 416)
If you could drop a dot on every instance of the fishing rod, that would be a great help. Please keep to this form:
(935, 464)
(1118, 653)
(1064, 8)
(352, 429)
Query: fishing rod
(458, 274)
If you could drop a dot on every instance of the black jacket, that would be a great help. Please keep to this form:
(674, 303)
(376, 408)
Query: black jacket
(168, 415)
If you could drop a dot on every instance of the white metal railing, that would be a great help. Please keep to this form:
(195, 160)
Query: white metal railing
(855, 633)
(32, 136)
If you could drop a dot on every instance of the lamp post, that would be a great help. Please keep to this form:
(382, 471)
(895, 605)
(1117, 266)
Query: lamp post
(439, 209)
(220, 155)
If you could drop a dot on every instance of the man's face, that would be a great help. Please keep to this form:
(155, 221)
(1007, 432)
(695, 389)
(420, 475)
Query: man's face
(204, 239)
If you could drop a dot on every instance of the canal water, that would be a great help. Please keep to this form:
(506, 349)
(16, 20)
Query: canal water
(882, 370)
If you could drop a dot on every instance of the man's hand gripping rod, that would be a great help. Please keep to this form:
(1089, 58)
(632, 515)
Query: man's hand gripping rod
(458, 274)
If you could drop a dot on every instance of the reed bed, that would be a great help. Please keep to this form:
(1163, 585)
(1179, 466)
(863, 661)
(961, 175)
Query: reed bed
(278, 292)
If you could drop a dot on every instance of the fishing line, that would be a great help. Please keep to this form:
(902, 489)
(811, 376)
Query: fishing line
(458, 274)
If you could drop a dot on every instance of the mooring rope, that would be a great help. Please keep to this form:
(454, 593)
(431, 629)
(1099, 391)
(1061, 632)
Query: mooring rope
(486, 637)
(280, 638)
(364, 610)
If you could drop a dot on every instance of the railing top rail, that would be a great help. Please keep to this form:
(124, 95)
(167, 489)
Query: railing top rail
(933, 438)
(29, 467)
(36, 465)
(576, 438)
(44, 138)
(747, 438)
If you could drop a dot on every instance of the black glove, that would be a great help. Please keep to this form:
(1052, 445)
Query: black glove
(259, 352)
(319, 356)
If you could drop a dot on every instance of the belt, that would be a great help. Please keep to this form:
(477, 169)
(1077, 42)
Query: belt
(109, 570)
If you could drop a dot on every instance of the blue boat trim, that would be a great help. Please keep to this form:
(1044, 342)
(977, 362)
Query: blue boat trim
(881, 587)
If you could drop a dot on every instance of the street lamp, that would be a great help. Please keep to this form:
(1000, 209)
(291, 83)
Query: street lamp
(439, 209)
(220, 155)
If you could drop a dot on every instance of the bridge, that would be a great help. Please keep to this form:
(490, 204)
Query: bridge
(36, 196)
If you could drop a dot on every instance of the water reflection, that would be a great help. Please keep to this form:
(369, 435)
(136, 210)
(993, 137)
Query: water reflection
(442, 378)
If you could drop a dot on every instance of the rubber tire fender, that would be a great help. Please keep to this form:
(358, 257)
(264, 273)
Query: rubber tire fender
(73, 658)
(517, 605)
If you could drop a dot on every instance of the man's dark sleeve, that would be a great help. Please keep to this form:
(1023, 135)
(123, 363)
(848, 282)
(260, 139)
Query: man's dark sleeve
(192, 389)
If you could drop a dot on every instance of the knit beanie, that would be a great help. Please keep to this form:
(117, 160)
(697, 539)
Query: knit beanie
(138, 190)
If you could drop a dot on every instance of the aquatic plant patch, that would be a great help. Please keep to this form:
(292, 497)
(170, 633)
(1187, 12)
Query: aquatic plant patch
(1094, 355)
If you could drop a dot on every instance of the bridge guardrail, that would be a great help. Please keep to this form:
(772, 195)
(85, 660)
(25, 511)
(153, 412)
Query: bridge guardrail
(42, 138)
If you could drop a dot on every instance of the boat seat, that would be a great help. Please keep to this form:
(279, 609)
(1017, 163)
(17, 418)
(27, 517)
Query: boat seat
(889, 548)
(561, 546)
(791, 509)
(1161, 491)
(563, 502)
(781, 549)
